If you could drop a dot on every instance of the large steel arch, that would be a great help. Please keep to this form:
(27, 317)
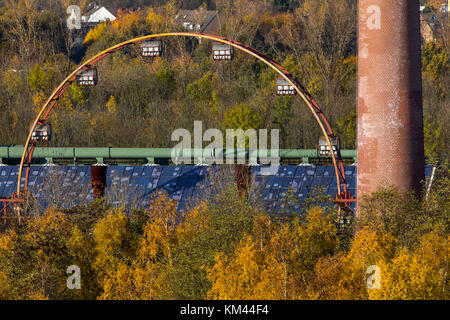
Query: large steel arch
(343, 198)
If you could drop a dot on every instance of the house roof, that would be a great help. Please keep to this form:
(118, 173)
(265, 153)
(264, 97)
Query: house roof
(101, 14)
(91, 8)
(198, 20)
(431, 20)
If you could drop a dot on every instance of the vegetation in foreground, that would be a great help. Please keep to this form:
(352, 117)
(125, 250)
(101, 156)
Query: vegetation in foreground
(229, 248)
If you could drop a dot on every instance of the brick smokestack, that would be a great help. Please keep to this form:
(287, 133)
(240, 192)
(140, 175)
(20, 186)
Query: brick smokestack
(390, 124)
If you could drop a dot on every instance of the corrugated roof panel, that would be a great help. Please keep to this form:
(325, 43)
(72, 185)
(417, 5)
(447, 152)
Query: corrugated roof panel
(184, 183)
(171, 171)
(287, 171)
(301, 171)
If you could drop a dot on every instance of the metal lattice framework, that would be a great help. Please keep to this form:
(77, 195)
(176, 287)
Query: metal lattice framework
(343, 198)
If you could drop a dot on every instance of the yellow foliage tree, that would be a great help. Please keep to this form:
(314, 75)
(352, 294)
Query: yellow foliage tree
(111, 105)
(33, 262)
(343, 276)
(146, 276)
(274, 263)
(7, 241)
(95, 33)
(160, 231)
(135, 283)
(113, 244)
(47, 236)
(82, 252)
(250, 274)
(421, 273)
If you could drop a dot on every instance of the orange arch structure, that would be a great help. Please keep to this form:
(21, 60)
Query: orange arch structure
(343, 198)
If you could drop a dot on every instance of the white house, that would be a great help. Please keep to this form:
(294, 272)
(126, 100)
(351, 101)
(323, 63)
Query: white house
(97, 14)
(101, 15)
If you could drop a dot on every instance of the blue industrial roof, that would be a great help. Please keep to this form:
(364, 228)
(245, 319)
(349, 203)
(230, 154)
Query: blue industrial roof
(136, 184)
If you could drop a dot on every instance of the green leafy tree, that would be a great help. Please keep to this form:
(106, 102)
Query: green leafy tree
(347, 130)
(282, 115)
(165, 81)
(434, 141)
(228, 217)
(114, 244)
(435, 64)
(241, 116)
(200, 90)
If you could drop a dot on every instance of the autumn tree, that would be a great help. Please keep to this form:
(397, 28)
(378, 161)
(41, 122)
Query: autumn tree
(227, 218)
(274, 263)
(435, 65)
(251, 274)
(147, 275)
(114, 244)
(330, 30)
(403, 215)
(34, 258)
(343, 276)
(419, 274)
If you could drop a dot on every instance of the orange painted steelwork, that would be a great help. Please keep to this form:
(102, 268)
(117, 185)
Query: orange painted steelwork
(343, 193)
